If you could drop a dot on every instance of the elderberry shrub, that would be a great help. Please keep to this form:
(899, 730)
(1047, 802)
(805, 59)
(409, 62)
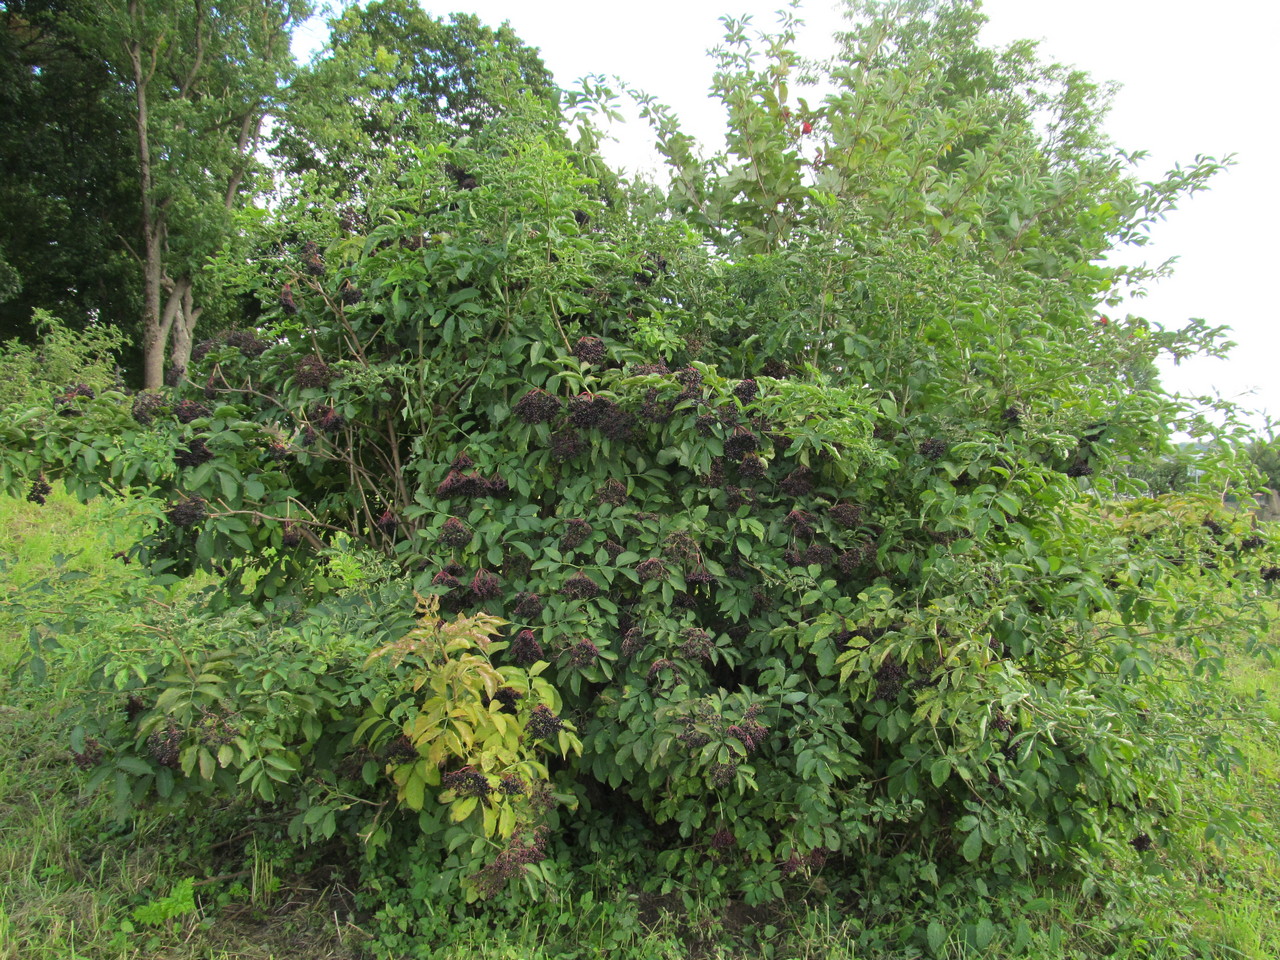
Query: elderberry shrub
(697, 501)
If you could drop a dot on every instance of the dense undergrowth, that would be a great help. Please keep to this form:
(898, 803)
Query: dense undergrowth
(229, 882)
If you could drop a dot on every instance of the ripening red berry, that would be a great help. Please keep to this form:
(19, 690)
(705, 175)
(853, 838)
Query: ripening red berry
(806, 127)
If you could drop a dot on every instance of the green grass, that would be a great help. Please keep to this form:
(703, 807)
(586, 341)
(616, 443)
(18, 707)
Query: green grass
(78, 885)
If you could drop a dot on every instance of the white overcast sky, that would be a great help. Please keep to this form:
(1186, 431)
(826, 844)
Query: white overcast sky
(1196, 80)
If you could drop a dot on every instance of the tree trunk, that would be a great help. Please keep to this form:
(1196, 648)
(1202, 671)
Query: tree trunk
(153, 335)
(182, 332)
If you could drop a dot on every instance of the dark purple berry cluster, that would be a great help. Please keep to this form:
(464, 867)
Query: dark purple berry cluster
(619, 425)
(889, 679)
(193, 454)
(736, 497)
(775, 368)
(287, 303)
(931, 448)
(655, 264)
(90, 756)
(528, 606)
(702, 578)
(741, 444)
(612, 492)
(580, 587)
(537, 406)
(387, 521)
(290, 534)
(681, 546)
(312, 262)
(614, 549)
(590, 350)
(801, 524)
(723, 840)
(583, 654)
(63, 401)
(633, 641)
(586, 410)
(845, 515)
(466, 782)
(40, 490)
(248, 344)
(751, 467)
(661, 666)
(723, 774)
(147, 406)
(651, 569)
(648, 369)
(1080, 467)
(1142, 843)
(525, 649)
(201, 349)
(327, 418)
(217, 729)
(165, 744)
(485, 585)
(312, 373)
(455, 533)
(856, 556)
(461, 176)
(511, 786)
(447, 580)
(188, 410)
(521, 851)
(400, 750)
(746, 391)
(508, 700)
(690, 380)
(188, 511)
(818, 554)
(566, 444)
(654, 409)
(543, 724)
(576, 534)
(695, 644)
(349, 293)
(798, 482)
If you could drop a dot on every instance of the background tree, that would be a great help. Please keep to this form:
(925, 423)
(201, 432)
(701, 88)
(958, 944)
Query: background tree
(392, 77)
(201, 79)
(68, 193)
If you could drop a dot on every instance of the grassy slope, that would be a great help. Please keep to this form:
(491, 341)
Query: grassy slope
(74, 879)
